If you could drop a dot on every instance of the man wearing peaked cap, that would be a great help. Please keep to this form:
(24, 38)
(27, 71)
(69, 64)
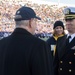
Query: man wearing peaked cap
(21, 53)
(64, 60)
(69, 13)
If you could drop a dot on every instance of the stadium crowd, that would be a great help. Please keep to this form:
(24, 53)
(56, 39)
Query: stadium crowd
(48, 13)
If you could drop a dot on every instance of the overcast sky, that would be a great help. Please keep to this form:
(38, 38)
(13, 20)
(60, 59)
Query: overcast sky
(62, 1)
(69, 2)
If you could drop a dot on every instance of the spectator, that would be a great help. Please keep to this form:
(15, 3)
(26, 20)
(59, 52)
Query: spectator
(58, 32)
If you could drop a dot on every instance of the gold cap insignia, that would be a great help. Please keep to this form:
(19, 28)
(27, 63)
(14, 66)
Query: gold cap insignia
(67, 11)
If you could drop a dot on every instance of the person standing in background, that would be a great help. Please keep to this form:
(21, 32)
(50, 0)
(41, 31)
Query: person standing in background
(64, 60)
(21, 53)
(58, 32)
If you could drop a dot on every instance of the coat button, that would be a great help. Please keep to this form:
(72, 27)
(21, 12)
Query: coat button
(70, 70)
(70, 62)
(61, 62)
(61, 69)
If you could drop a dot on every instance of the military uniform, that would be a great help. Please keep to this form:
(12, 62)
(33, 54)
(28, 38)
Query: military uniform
(64, 61)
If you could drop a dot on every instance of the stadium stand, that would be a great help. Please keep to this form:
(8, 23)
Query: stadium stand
(48, 13)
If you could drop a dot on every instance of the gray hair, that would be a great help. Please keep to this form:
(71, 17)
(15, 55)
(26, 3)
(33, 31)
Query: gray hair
(23, 22)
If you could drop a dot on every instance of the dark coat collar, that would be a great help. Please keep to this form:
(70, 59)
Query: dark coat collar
(21, 31)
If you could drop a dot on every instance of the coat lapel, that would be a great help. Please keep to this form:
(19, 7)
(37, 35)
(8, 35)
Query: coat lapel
(72, 43)
(62, 46)
(66, 48)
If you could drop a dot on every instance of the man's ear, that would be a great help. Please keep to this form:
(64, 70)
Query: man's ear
(30, 23)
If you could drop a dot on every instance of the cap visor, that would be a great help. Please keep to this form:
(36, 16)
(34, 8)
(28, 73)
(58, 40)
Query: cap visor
(69, 19)
(38, 18)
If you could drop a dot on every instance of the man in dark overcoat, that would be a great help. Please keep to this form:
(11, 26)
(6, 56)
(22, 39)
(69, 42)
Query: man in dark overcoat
(21, 53)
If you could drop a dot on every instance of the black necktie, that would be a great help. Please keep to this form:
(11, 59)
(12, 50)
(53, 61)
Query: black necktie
(67, 41)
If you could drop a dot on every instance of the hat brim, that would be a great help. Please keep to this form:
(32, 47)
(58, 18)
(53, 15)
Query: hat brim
(37, 17)
(69, 16)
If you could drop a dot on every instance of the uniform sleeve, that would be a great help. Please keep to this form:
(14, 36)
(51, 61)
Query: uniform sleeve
(42, 63)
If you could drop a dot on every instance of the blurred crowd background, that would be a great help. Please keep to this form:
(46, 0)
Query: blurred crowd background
(48, 13)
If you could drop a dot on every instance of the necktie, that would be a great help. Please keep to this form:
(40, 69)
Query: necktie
(67, 41)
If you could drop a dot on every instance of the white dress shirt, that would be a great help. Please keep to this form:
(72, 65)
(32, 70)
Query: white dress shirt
(72, 36)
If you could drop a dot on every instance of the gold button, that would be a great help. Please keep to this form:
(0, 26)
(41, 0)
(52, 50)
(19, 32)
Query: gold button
(74, 53)
(70, 62)
(70, 70)
(60, 68)
(61, 61)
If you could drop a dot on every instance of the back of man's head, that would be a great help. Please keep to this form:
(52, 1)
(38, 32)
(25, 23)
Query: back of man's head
(24, 18)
